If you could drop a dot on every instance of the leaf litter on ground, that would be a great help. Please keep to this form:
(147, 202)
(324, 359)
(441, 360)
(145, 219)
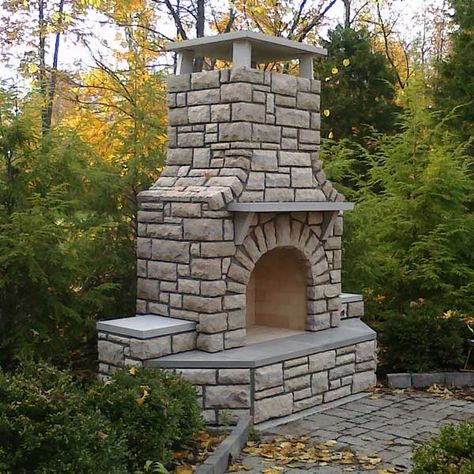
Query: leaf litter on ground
(297, 452)
(200, 449)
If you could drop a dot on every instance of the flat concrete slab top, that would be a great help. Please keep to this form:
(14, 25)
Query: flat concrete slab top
(265, 48)
(349, 332)
(350, 297)
(298, 206)
(145, 327)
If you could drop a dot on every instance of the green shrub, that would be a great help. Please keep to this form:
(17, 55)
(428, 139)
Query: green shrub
(51, 424)
(420, 340)
(156, 412)
(47, 426)
(451, 452)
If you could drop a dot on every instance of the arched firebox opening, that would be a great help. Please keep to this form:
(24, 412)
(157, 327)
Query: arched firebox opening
(276, 296)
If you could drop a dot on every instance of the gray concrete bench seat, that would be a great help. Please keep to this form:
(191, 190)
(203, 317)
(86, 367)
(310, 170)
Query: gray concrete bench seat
(146, 326)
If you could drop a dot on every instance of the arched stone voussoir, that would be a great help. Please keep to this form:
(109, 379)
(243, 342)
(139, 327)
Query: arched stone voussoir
(281, 232)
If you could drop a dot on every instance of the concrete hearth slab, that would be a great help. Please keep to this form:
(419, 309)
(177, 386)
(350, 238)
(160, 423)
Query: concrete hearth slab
(146, 327)
(351, 331)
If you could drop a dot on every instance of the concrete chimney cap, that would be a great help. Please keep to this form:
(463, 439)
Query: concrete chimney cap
(263, 48)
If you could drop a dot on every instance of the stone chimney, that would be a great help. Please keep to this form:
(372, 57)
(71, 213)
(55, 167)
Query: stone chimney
(242, 178)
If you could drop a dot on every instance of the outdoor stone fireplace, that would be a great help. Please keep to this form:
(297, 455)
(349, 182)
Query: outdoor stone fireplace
(239, 243)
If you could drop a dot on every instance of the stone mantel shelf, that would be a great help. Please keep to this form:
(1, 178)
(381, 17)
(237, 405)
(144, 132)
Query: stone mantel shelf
(352, 331)
(246, 210)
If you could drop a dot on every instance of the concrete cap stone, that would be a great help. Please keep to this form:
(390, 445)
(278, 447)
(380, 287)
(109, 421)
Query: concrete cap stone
(265, 48)
(146, 326)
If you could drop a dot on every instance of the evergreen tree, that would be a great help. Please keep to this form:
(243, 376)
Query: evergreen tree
(358, 86)
(454, 87)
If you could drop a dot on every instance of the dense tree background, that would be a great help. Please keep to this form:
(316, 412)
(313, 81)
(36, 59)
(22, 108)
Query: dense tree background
(80, 138)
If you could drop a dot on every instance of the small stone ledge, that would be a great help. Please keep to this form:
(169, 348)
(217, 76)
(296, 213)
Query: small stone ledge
(301, 206)
(351, 331)
(146, 326)
(408, 380)
(352, 305)
(228, 450)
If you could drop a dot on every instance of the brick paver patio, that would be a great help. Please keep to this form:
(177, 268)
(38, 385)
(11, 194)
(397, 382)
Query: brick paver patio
(388, 426)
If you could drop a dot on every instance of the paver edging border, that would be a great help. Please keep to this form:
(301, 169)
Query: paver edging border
(426, 379)
(228, 450)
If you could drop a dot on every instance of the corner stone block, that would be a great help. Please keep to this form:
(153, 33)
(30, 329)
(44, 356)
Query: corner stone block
(184, 342)
(269, 376)
(150, 348)
(179, 83)
(234, 338)
(238, 131)
(110, 353)
(281, 405)
(212, 323)
(210, 342)
(363, 380)
(365, 351)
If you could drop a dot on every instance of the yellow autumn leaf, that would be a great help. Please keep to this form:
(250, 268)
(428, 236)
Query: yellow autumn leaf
(331, 135)
(326, 112)
(32, 68)
(132, 371)
(346, 62)
(334, 70)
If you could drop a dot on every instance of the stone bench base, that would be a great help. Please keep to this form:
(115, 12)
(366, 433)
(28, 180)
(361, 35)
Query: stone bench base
(275, 379)
(127, 342)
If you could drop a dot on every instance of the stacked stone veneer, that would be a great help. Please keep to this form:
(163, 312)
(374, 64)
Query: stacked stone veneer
(284, 388)
(118, 351)
(235, 135)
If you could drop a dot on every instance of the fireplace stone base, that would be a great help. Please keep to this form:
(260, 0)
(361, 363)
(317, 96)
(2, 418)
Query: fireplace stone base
(268, 380)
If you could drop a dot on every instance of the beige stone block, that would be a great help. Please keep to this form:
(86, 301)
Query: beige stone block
(278, 406)
(212, 323)
(365, 351)
(184, 342)
(203, 229)
(144, 349)
(248, 112)
(210, 342)
(222, 396)
(268, 376)
(206, 268)
(234, 376)
(264, 160)
(162, 270)
(202, 304)
(199, 376)
(170, 251)
(147, 289)
(238, 131)
(319, 382)
(110, 353)
(208, 96)
(336, 394)
(322, 361)
(234, 338)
